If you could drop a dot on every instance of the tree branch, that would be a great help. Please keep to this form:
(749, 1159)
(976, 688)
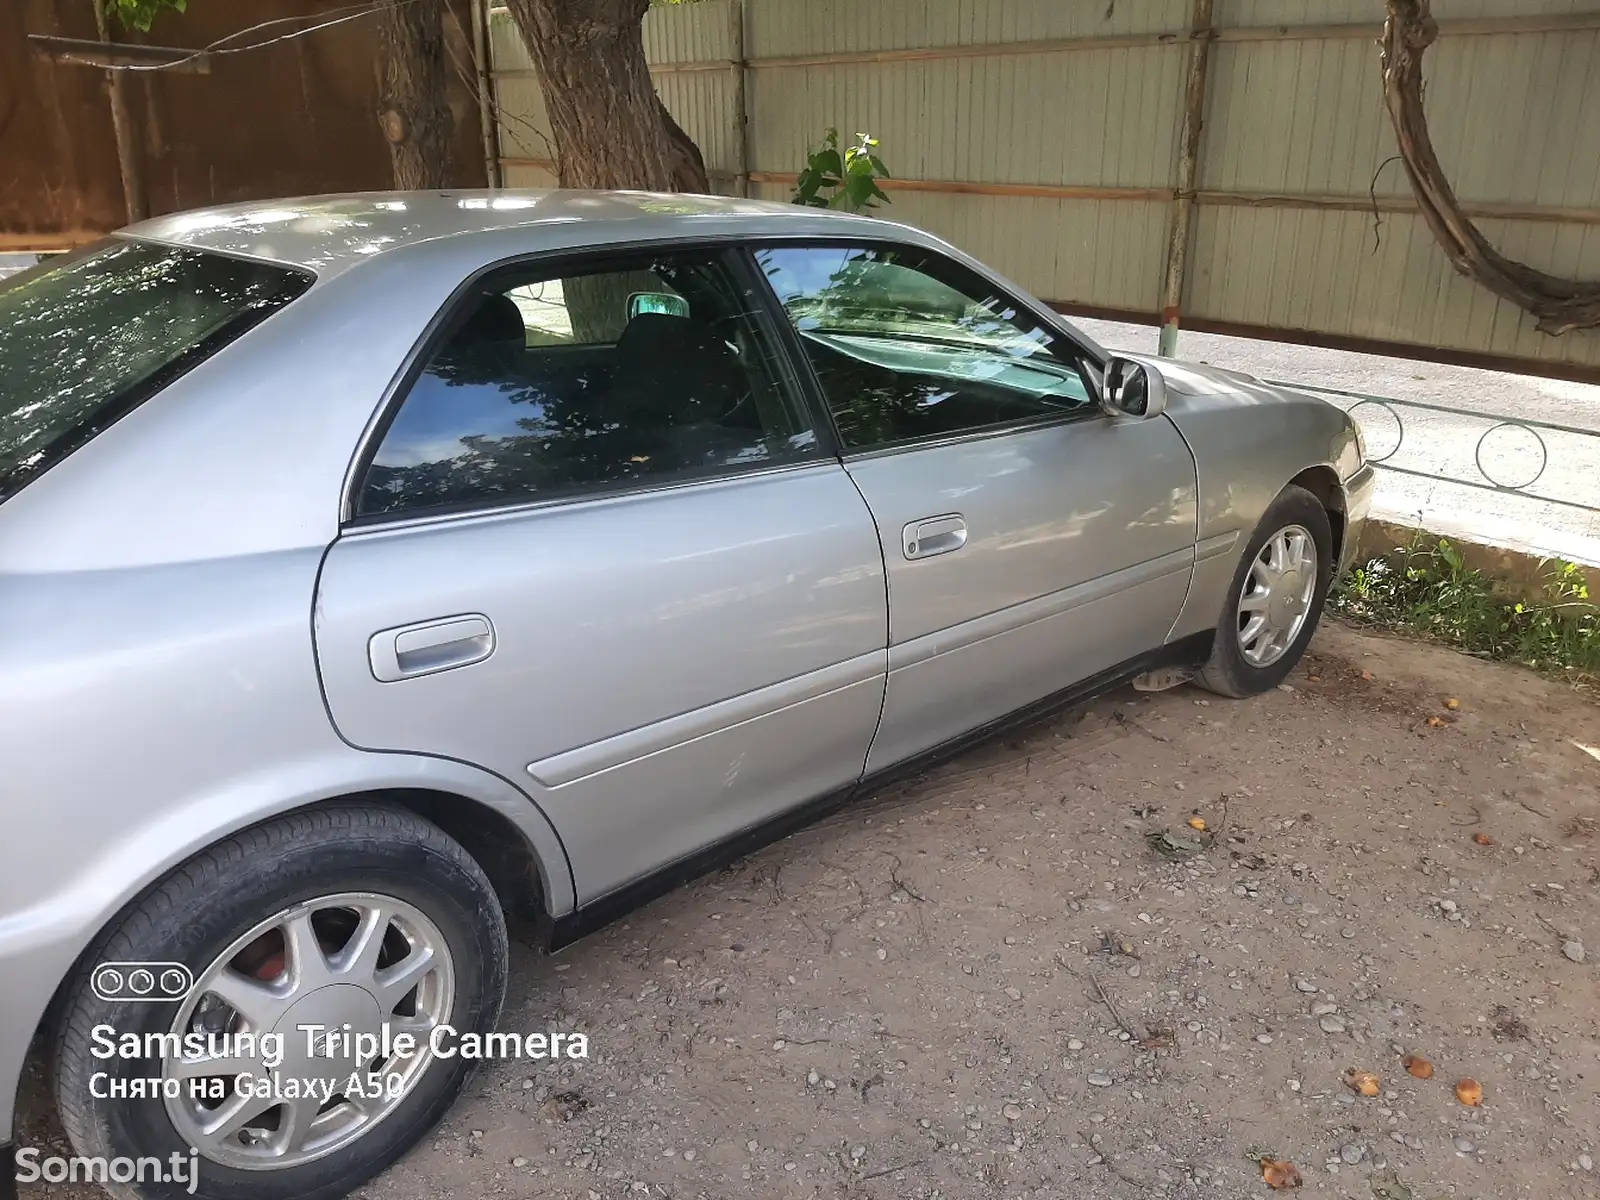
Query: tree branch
(1559, 304)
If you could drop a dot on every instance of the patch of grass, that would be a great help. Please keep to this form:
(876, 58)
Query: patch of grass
(1430, 591)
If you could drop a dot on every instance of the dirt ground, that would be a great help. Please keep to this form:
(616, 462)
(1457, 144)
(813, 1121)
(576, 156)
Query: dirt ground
(989, 983)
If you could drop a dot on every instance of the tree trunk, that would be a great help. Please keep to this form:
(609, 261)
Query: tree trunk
(122, 128)
(413, 112)
(611, 129)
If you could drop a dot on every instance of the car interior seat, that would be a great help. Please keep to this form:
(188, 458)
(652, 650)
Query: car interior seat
(497, 321)
(679, 380)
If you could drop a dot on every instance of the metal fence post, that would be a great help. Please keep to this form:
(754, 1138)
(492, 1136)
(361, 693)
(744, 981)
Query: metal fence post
(488, 109)
(1194, 112)
(739, 68)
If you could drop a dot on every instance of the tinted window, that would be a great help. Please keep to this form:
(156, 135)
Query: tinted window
(85, 338)
(907, 344)
(658, 371)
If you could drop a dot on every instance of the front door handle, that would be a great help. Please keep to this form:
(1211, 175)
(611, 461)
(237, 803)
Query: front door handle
(430, 646)
(934, 535)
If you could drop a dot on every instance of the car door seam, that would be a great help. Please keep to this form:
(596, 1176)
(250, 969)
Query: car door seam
(1209, 548)
(1194, 537)
(888, 608)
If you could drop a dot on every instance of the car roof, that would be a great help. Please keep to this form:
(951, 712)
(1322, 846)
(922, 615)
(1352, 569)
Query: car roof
(329, 234)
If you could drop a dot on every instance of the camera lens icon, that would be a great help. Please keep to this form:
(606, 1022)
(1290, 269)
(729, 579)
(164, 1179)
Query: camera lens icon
(154, 983)
(108, 983)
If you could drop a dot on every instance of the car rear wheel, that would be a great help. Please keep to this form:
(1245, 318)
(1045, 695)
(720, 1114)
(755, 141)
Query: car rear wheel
(318, 927)
(1275, 599)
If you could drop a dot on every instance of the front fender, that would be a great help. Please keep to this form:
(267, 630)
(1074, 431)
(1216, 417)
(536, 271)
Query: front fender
(1249, 440)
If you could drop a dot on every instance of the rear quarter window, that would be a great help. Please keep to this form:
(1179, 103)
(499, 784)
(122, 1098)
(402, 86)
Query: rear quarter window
(86, 338)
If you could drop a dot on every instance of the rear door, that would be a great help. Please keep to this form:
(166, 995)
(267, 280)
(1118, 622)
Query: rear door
(597, 550)
(1031, 540)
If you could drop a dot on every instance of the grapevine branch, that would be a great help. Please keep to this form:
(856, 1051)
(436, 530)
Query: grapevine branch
(1559, 304)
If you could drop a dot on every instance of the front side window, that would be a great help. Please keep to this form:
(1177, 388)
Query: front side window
(652, 370)
(909, 345)
(86, 337)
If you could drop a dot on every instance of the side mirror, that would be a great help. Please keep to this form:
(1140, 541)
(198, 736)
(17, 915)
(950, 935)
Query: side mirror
(1132, 389)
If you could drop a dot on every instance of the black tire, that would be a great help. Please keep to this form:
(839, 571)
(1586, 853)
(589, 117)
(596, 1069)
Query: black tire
(1227, 672)
(218, 896)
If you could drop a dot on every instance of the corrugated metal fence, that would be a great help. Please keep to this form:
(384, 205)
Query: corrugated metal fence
(1044, 137)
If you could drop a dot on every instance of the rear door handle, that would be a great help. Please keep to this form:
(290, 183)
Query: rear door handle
(934, 535)
(430, 646)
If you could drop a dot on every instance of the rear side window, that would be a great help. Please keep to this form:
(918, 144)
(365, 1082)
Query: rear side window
(612, 375)
(85, 339)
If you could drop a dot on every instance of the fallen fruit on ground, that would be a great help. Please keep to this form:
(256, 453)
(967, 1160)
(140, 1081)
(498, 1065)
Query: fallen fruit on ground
(1452, 704)
(1483, 839)
(1435, 722)
(1362, 1083)
(1197, 823)
(1280, 1173)
(1420, 1067)
(1470, 1092)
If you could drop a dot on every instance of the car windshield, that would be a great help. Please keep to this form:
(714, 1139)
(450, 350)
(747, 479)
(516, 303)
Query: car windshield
(85, 338)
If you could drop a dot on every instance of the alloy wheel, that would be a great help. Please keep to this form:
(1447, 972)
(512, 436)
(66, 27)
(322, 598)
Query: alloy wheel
(352, 963)
(1277, 595)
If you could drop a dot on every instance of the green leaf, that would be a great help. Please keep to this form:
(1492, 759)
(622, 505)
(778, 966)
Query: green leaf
(1169, 843)
(842, 179)
(1391, 1187)
(139, 14)
(827, 161)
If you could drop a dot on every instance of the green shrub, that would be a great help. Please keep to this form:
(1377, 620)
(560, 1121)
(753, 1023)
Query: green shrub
(1431, 591)
(845, 180)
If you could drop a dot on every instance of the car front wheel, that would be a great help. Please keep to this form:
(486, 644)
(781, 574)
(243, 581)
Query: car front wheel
(1275, 599)
(324, 948)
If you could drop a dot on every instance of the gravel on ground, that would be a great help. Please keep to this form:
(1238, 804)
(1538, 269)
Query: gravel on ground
(1029, 973)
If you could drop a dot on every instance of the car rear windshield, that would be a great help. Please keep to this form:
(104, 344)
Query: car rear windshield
(85, 338)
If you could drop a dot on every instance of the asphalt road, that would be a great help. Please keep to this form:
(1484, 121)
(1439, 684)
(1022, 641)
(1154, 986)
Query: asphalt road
(10, 264)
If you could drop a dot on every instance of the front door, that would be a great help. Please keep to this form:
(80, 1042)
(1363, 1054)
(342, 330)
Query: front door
(1031, 540)
(598, 551)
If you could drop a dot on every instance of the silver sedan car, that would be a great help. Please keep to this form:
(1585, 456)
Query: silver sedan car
(373, 565)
